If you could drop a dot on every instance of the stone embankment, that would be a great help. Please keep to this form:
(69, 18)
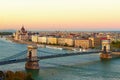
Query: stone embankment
(115, 54)
(21, 41)
(33, 43)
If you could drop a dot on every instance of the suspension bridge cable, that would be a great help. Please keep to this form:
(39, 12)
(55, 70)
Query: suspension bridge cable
(14, 56)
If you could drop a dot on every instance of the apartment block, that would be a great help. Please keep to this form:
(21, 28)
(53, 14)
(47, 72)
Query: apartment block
(84, 43)
(34, 38)
(95, 41)
(42, 40)
(65, 41)
(51, 40)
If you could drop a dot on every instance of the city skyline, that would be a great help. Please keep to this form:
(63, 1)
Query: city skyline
(60, 14)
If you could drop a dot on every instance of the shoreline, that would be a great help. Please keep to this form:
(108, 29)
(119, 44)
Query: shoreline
(21, 42)
(33, 43)
(47, 45)
(57, 47)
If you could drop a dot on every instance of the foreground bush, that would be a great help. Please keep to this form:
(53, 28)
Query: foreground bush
(18, 75)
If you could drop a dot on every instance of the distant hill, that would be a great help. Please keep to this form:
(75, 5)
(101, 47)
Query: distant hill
(8, 30)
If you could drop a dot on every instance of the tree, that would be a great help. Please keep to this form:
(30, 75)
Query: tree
(29, 77)
(115, 45)
(2, 75)
(18, 75)
(66, 44)
(9, 75)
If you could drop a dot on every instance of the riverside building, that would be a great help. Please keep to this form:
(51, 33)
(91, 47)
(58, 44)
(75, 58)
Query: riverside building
(21, 34)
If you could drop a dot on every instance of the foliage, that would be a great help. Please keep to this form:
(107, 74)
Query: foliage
(9, 75)
(80, 46)
(28, 77)
(115, 45)
(6, 33)
(2, 75)
(29, 40)
(65, 44)
(18, 75)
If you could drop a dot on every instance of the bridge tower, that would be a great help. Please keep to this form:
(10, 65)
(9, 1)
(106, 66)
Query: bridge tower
(32, 59)
(105, 50)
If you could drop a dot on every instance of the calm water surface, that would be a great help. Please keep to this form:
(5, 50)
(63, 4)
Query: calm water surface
(82, 67)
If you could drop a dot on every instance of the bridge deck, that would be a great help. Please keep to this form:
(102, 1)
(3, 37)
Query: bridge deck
(46, 57)
(12, 61)
(65, 55)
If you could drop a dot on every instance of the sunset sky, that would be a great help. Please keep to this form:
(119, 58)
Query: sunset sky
(60, 14)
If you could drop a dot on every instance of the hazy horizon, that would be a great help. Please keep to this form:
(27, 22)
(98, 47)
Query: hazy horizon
(55, 15)
(36, 30)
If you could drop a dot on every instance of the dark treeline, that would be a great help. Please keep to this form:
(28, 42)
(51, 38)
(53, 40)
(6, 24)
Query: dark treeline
(115, 45)
(6, 33)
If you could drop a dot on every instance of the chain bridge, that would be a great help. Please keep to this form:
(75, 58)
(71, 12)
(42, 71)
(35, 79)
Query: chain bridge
(41, 55)
(35, 54)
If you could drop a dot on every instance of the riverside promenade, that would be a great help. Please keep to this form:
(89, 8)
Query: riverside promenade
(21, 41)
(34, 43)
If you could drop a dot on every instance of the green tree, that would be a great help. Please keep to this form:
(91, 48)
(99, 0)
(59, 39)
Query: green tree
(2, 75)
(18, 75)
(66, 44)
(115, 45)
(29, 77)
(9, 75)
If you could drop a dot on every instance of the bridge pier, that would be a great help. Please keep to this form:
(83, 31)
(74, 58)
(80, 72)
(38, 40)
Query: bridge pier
(32, 59)
(105, 54)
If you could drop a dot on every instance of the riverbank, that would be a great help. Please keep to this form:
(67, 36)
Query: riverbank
(20, 41)
(49, 46)
(33, 43)
(64, 68)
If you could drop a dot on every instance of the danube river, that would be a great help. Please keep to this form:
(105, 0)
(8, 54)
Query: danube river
(82, 67)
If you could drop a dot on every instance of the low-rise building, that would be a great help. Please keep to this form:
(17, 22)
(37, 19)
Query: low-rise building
(84, 43)
(42, 40)
(65, 41)
(34, 38)
(51, 40)
(95, 41)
